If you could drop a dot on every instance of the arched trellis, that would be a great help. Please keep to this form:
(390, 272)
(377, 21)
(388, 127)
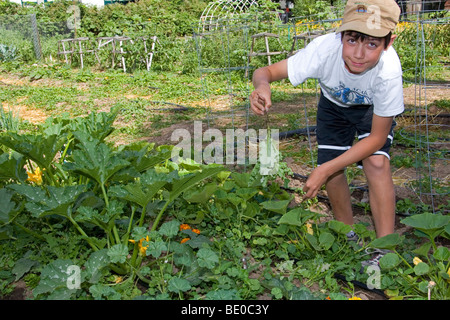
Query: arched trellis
(221, 9)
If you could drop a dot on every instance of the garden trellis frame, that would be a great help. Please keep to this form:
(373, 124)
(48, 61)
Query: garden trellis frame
(229, 37)
(429, 132)
(218, 10)
(429, 185)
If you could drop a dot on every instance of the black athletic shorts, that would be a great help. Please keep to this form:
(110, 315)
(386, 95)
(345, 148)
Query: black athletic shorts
(337, 128)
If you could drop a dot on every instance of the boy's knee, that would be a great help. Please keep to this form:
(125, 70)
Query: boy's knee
(376, 164)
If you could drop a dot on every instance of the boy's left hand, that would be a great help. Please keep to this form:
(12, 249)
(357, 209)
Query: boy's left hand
(315, 181)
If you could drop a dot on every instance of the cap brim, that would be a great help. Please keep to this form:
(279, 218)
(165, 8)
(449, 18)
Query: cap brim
(363, 28)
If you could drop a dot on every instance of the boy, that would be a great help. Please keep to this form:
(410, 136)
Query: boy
(360, 77)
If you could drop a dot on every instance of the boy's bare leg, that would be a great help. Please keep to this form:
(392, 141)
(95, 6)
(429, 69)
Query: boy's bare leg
(339, 195)
(381, 193)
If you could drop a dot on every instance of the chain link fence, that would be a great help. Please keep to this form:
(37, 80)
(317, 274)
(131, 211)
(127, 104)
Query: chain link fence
(24, 37)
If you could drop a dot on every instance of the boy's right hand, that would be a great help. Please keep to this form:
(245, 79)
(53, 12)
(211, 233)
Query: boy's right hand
(260, 101)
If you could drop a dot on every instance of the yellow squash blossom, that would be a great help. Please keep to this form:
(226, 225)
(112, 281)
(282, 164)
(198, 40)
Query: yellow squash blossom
(355, 298)
(309, 229)
(118, 279)
(142, 249)
(185, 240)
(35, 177)
(416, 261)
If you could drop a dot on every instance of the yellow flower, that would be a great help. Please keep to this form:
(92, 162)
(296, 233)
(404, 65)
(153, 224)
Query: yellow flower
(354, 298)
(416, 261)
(142, 249)
(309, 228)
(185, 240)
(118, 279)
(196, 231)
(35, 177)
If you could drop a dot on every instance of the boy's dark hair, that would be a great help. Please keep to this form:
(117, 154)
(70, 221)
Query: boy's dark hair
(363, 36)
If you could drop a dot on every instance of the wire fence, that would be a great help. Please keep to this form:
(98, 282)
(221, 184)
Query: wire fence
(30, 40)
(235, 48)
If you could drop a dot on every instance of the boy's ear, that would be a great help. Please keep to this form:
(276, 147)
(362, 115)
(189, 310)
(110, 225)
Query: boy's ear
(393, 37)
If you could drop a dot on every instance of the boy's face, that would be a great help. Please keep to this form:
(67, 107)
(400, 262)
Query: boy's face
(361, 54)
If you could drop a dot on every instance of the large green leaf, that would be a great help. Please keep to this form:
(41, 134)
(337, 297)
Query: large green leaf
(40, 148)
(97, 261)
(279, 206)
(55, 278)
(170, 228)
(207, 258)
(96, 161)
(339, 227)
(97, 125)
(200, 194)
(12, 167)
(141, 157)
(389, 261)
(192, 179)
(118, 253)
(296, 217)
(323, 242)
(53, 200)
(179, 285)
(431, 224)
(22, 266)
(137, 192)
(8, 208)
(155, 248)
(389, 241)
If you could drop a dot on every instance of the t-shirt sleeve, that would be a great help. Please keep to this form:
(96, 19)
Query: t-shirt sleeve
(304, 64)
(388, 98)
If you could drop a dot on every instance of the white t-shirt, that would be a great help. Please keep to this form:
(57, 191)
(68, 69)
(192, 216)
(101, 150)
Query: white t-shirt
(381, 86)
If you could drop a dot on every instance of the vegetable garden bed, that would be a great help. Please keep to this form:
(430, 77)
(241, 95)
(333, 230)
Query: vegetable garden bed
(92, 209)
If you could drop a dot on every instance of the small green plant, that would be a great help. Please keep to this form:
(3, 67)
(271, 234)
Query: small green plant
(406, 275)
(9, 121)
(8, 53)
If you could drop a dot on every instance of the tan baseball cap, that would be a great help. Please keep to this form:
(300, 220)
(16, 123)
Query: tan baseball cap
(372, 17)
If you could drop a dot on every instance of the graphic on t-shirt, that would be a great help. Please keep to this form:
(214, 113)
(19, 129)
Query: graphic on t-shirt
(350, 96)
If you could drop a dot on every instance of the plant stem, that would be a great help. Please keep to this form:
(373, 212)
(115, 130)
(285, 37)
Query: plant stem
(403, 259)
(141, 219)
(63, 156)
(81, 231)
(127, 236)
(104, 195)
(135, 253)
(155, 224)
(116, 234)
